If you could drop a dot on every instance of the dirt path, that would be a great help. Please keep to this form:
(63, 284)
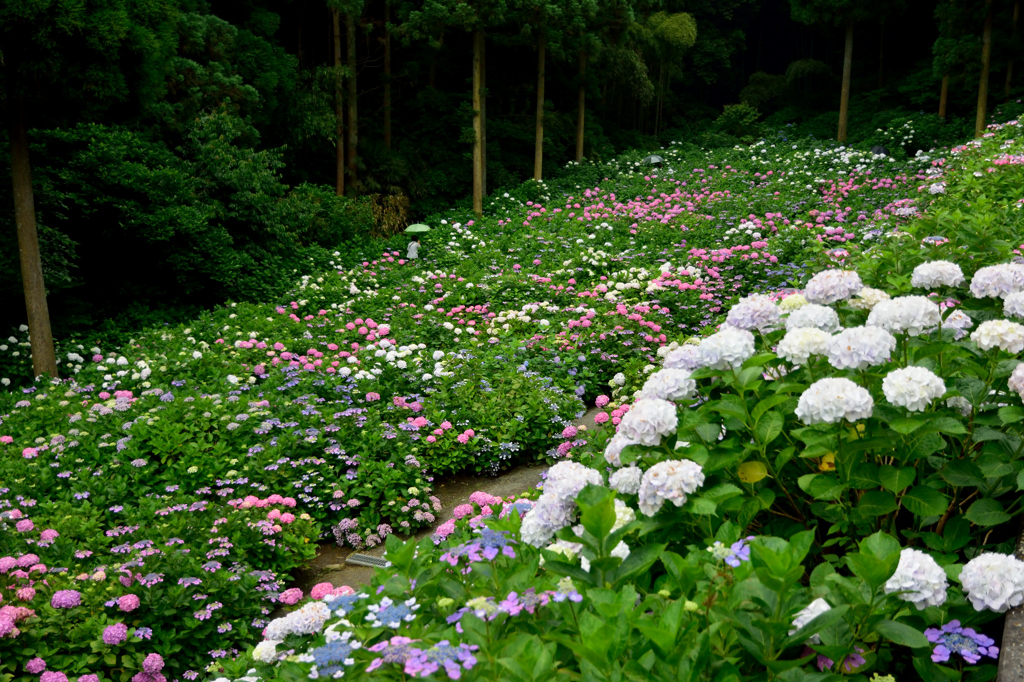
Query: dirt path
(329, 564)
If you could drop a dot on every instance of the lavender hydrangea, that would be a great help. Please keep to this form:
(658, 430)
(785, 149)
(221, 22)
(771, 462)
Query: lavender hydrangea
(830, 286)
(828, 401)
(937, 273)
(998, 281)
(1002, 334)
(453, 659)
(1016, 380)
(685, 357)
(756, 311)
(66, 599)
(954, 639)
(958, 322)
(918, 579)
(800, 343)
(912, 387)
(670, 481)
(669, 384)
(814, 316)
(860, 348)
(912, 315)
(648, 421)
(994, 582)
(734, 554)
(1013, 305)
(726, 349)
(546, 518)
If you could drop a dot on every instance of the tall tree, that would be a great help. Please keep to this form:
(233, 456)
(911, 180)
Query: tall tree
(664, 38)
(387, 74)
(1013, 42)
(339, 111)
(353, 100)
(598, 26)
(986, 64)
(62, 61)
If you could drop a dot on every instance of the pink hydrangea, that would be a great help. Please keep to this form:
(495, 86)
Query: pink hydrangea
(290, 596)
(372, 397)
(128, 602)
(49, 535)
(35, 666)
(53, 676)
(6, 440)
(25, 525)
(321, 590)
(462, 438)
(601, 418)
(601, 401)
(462, 510)
(569, 432)
(482, 498)
(287, 517)
(25, 594)
(29, 453)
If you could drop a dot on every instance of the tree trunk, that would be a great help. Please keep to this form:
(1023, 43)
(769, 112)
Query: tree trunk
(387, 75)
(986, 63)
(43, 359)
(844, 101)
(483, 113)
(339, 109)
(538, 149)
(353, 97)
(1009, 65)
(943, 97)
(478, 138)
(581, 113)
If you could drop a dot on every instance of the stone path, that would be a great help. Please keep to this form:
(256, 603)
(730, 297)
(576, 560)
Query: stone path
(329, 564)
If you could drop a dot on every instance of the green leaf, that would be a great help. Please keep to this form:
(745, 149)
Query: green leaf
(701, 506)
(895, 479)
(881, 545)
(925, 501)
(708, 433)
(987, 512)
(769, 427)
(876, 503)
(865, 476)
(902, 634)
(1010, 414)
(948, 425)
(872, 570)
(767, 404)
(906, 425)
(962, 473)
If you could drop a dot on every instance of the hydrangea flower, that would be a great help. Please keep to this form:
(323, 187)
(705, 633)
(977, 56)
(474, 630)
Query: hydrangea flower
(919, 579)
(800, 343)
(115, 634)
(937, 273)
(959, 322)
(792, 302)
(830, 286)
(266, 651)
(807, 614)
(66, 599)
(998, 281)
(828, 401)
(566, 479)
(912, 387)
(994, 582)
(860, 348)
(734, 554)
(1013, 305)
(546, 517)
(756, 311)
(343, 604)
(332, 657)
(868, 298)
(395, 650)
(1016, 380)
(814, 316)
(953, 639)
(649, 420)
(671, 481)
(391, 614)
(669, 384)
(726, 349)
(454, 659)
(1002, 334)
(627, 479)
(913, 315)
(685, 357)
(614, 449)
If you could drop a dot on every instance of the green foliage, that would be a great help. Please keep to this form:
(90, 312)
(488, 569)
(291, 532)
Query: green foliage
(740, 121)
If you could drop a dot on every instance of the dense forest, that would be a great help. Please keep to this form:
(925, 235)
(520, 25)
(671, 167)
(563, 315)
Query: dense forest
(181, 152)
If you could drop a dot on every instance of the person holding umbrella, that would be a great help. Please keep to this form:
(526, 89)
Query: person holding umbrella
(414, 246)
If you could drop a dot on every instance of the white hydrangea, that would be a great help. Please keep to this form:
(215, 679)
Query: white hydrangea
(792, 302)
(566, 479)
(621, 551)
(911, 314)
(307, 620)
(756, 311)
(618, 380)
(669, 384)
(614, 449)
(547, 516)
(648, 420)
(670, 481)
(1013, 305)
(626, 480)
(919, 578)
(816, 316)
(809, 613)
(1002, 334)
(799, 344)
(961, 405)
(1016, 380)
(728, 348)
(998, 281)
(833, 399)
(266, 651)
(830, 286)
(685, 357)
(937, 273)
(959, 322)
(994, 581)
(868, 298)
(912, 387)
(860, 347)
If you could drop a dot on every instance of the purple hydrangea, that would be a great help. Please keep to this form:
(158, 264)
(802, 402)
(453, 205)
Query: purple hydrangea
(425, 662)
(953, 639)
(35, 666)
(66, 599)
(115, 634)
(395, 650)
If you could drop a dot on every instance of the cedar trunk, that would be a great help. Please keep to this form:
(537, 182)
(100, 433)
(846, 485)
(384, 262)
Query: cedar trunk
(387, 75)
(986, 63)
(478, 139)
(538, 150)
(844, 101)
(944, 97)
(43, 359)
(1009, 65)
(581, 114)
(353, 97)
(483, 113)
(339, 110)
